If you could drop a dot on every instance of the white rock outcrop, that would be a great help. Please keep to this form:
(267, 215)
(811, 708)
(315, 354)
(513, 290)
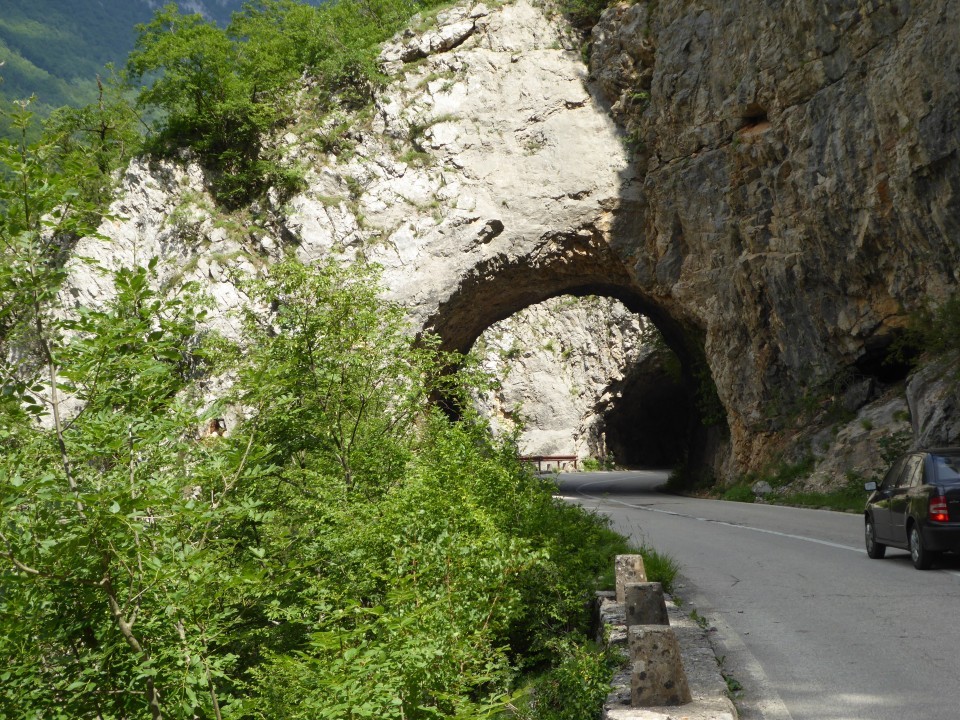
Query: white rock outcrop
(558, 364)
(487, 153)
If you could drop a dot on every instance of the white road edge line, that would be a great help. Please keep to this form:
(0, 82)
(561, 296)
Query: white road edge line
(790, 536)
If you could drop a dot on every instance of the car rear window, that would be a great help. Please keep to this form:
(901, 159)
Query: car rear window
(947, 468)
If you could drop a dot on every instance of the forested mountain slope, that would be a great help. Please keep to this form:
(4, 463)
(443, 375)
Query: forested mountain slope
(54, 49)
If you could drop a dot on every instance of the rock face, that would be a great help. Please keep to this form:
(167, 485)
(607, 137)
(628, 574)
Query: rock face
(560, 365)
(801, 182)
(782, 190)
(487, 168)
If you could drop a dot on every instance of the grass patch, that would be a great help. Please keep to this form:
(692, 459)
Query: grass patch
(572, 690)
(660, 568)
(739, 493)
(849, 498)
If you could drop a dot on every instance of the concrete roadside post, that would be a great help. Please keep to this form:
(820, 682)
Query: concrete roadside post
(670, 664)
(658, 678)
(645, 604)
(628, 569)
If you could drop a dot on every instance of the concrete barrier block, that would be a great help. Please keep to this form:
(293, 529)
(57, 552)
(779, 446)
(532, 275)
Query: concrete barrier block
(658, 678)
(628, 569)
(645, 604)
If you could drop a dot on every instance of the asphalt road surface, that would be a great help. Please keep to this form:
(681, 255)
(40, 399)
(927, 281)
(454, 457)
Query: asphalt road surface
(811, 627)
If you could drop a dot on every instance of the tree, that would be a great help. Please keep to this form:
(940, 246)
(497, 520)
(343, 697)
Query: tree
(91, 142)
(113, 563)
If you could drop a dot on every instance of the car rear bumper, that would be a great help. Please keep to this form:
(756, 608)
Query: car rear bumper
(942, 537)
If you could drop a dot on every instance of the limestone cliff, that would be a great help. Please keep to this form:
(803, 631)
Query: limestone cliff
(560, 365)
(800, 183)
(775, 187)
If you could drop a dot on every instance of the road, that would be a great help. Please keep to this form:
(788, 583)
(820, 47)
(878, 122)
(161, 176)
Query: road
(811, 627)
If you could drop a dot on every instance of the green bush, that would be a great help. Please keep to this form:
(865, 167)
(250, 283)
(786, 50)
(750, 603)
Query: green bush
(591, 464)
(584, 14)
(934, 330)
(222, 91)
(346, 550)
(573, 690)
(739, 493)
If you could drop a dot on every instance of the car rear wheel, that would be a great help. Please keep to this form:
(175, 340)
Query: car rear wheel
(875, 550)
(922, 558)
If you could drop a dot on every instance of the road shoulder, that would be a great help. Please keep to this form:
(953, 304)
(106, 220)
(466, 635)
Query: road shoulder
(708, 687)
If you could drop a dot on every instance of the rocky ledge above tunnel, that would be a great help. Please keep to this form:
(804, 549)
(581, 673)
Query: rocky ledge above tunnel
(783, 189)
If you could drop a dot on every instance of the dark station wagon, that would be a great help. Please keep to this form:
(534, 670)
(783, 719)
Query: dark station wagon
(916, 507)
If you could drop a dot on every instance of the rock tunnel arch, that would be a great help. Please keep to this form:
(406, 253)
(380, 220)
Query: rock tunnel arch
(690, 433)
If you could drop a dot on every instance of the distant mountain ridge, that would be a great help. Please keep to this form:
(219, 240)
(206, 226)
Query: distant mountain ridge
(54, 49)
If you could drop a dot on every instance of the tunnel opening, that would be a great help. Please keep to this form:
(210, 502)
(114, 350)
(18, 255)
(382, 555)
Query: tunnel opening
(581, 264)
(648, 426)
(588, 377)
(887, 360)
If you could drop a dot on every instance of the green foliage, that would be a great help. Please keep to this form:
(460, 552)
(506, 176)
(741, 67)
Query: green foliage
(40, 212)
(699, 619)
(584, 14)
(344, 551)
(221, 91)
(591, 464)
(87, 144)
(850, 497)
(783, 472)
(780, 474)
(575, 689)
(606, 463)
(208, 98)
(660, 568)
(103, 543)
(739, 493)
(933, 330)
(893, 445)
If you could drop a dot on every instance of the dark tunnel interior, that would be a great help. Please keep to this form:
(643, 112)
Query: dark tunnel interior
(648, 425)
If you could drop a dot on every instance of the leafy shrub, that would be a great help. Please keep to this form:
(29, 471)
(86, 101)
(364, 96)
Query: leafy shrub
(893, 445)
(573, 690)
(344, 551)
(584, 14)
(933, 330)
(591, 464)
(222, 91)
(739, 493)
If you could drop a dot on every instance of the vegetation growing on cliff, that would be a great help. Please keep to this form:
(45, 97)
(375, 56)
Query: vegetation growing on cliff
(932, 331)
(222, 91)
(344, 550)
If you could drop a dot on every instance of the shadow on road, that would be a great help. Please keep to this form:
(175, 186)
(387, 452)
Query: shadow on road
(619, 483)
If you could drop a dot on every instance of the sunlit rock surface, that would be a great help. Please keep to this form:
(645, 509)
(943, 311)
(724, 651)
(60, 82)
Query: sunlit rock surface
(559, 365)
(777, 188)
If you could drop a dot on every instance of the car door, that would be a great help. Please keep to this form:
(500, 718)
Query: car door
(910, 477)
(880, 503)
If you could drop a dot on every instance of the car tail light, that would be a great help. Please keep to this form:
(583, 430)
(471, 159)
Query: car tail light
(938, 509)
